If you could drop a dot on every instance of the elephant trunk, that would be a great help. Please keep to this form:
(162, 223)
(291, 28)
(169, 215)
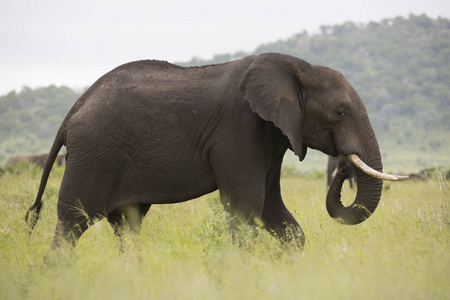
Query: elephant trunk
(368, 192)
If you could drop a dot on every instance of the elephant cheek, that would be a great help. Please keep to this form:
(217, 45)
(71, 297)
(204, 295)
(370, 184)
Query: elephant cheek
(324, 142)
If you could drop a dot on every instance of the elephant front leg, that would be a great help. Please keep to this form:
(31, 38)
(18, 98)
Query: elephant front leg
(277, 219)
(280, 222)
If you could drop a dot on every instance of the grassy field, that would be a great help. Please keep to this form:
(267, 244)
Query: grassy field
(185, 251)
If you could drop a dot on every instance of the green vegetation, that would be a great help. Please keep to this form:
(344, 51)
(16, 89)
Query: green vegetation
(185, 251)
(401, 69)
(399, 66)
(30, 119)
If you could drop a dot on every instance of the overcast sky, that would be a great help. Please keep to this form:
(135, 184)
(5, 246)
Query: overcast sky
(74, 43)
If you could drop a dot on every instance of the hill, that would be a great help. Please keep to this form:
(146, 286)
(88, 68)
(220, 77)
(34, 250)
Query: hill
(399, 66)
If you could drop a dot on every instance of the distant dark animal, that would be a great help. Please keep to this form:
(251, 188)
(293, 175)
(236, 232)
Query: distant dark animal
(150, 132)
(336, 163)
(38, 159)
(422, 175)
(61, 160)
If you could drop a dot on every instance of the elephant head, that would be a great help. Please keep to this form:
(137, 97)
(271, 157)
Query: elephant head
(315, 107)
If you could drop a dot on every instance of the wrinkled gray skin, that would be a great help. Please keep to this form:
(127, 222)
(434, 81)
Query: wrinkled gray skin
(150, 132)
(336, 163)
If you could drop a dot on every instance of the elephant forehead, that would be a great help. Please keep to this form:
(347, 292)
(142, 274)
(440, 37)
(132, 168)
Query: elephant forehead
(329, 77)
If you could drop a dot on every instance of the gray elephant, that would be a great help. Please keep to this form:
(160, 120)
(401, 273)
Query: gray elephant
(61, 160)
(422, 175)
(336, 163)
(150, 132)
(37, 159)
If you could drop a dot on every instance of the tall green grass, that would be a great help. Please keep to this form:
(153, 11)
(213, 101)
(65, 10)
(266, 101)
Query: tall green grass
(185, 250)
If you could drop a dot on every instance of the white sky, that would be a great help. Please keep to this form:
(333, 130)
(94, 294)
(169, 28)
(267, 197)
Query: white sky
(74, 43)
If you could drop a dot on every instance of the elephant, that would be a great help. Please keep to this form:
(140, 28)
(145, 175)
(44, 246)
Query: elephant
(37, 159)
(151, 132)
(61, 160)
(422, 175)
(336, 163)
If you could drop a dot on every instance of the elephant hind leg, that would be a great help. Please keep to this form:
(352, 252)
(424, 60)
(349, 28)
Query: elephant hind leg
(70, 225)
(128, 216)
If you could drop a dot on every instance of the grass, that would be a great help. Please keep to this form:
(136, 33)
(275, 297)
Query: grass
(185, 251)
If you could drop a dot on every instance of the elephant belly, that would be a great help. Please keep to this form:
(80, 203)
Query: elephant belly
(157, 180)
(170, 185)
(103, 185)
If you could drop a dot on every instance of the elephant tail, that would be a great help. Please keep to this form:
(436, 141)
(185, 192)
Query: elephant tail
(32, 215)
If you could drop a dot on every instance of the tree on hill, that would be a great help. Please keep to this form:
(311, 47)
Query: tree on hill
(30, 119)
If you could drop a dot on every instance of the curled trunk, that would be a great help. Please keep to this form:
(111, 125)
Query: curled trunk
(367, 196)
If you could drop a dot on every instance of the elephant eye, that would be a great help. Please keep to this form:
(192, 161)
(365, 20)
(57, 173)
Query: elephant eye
(340, 113)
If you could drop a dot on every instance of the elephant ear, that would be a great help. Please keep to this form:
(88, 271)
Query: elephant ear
(273, 87)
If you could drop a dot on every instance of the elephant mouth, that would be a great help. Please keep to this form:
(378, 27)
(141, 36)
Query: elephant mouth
(323, 141)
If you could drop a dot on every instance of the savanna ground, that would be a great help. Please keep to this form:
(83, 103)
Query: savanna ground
(185, 250)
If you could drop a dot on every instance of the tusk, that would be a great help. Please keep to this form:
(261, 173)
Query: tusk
(357, 162)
